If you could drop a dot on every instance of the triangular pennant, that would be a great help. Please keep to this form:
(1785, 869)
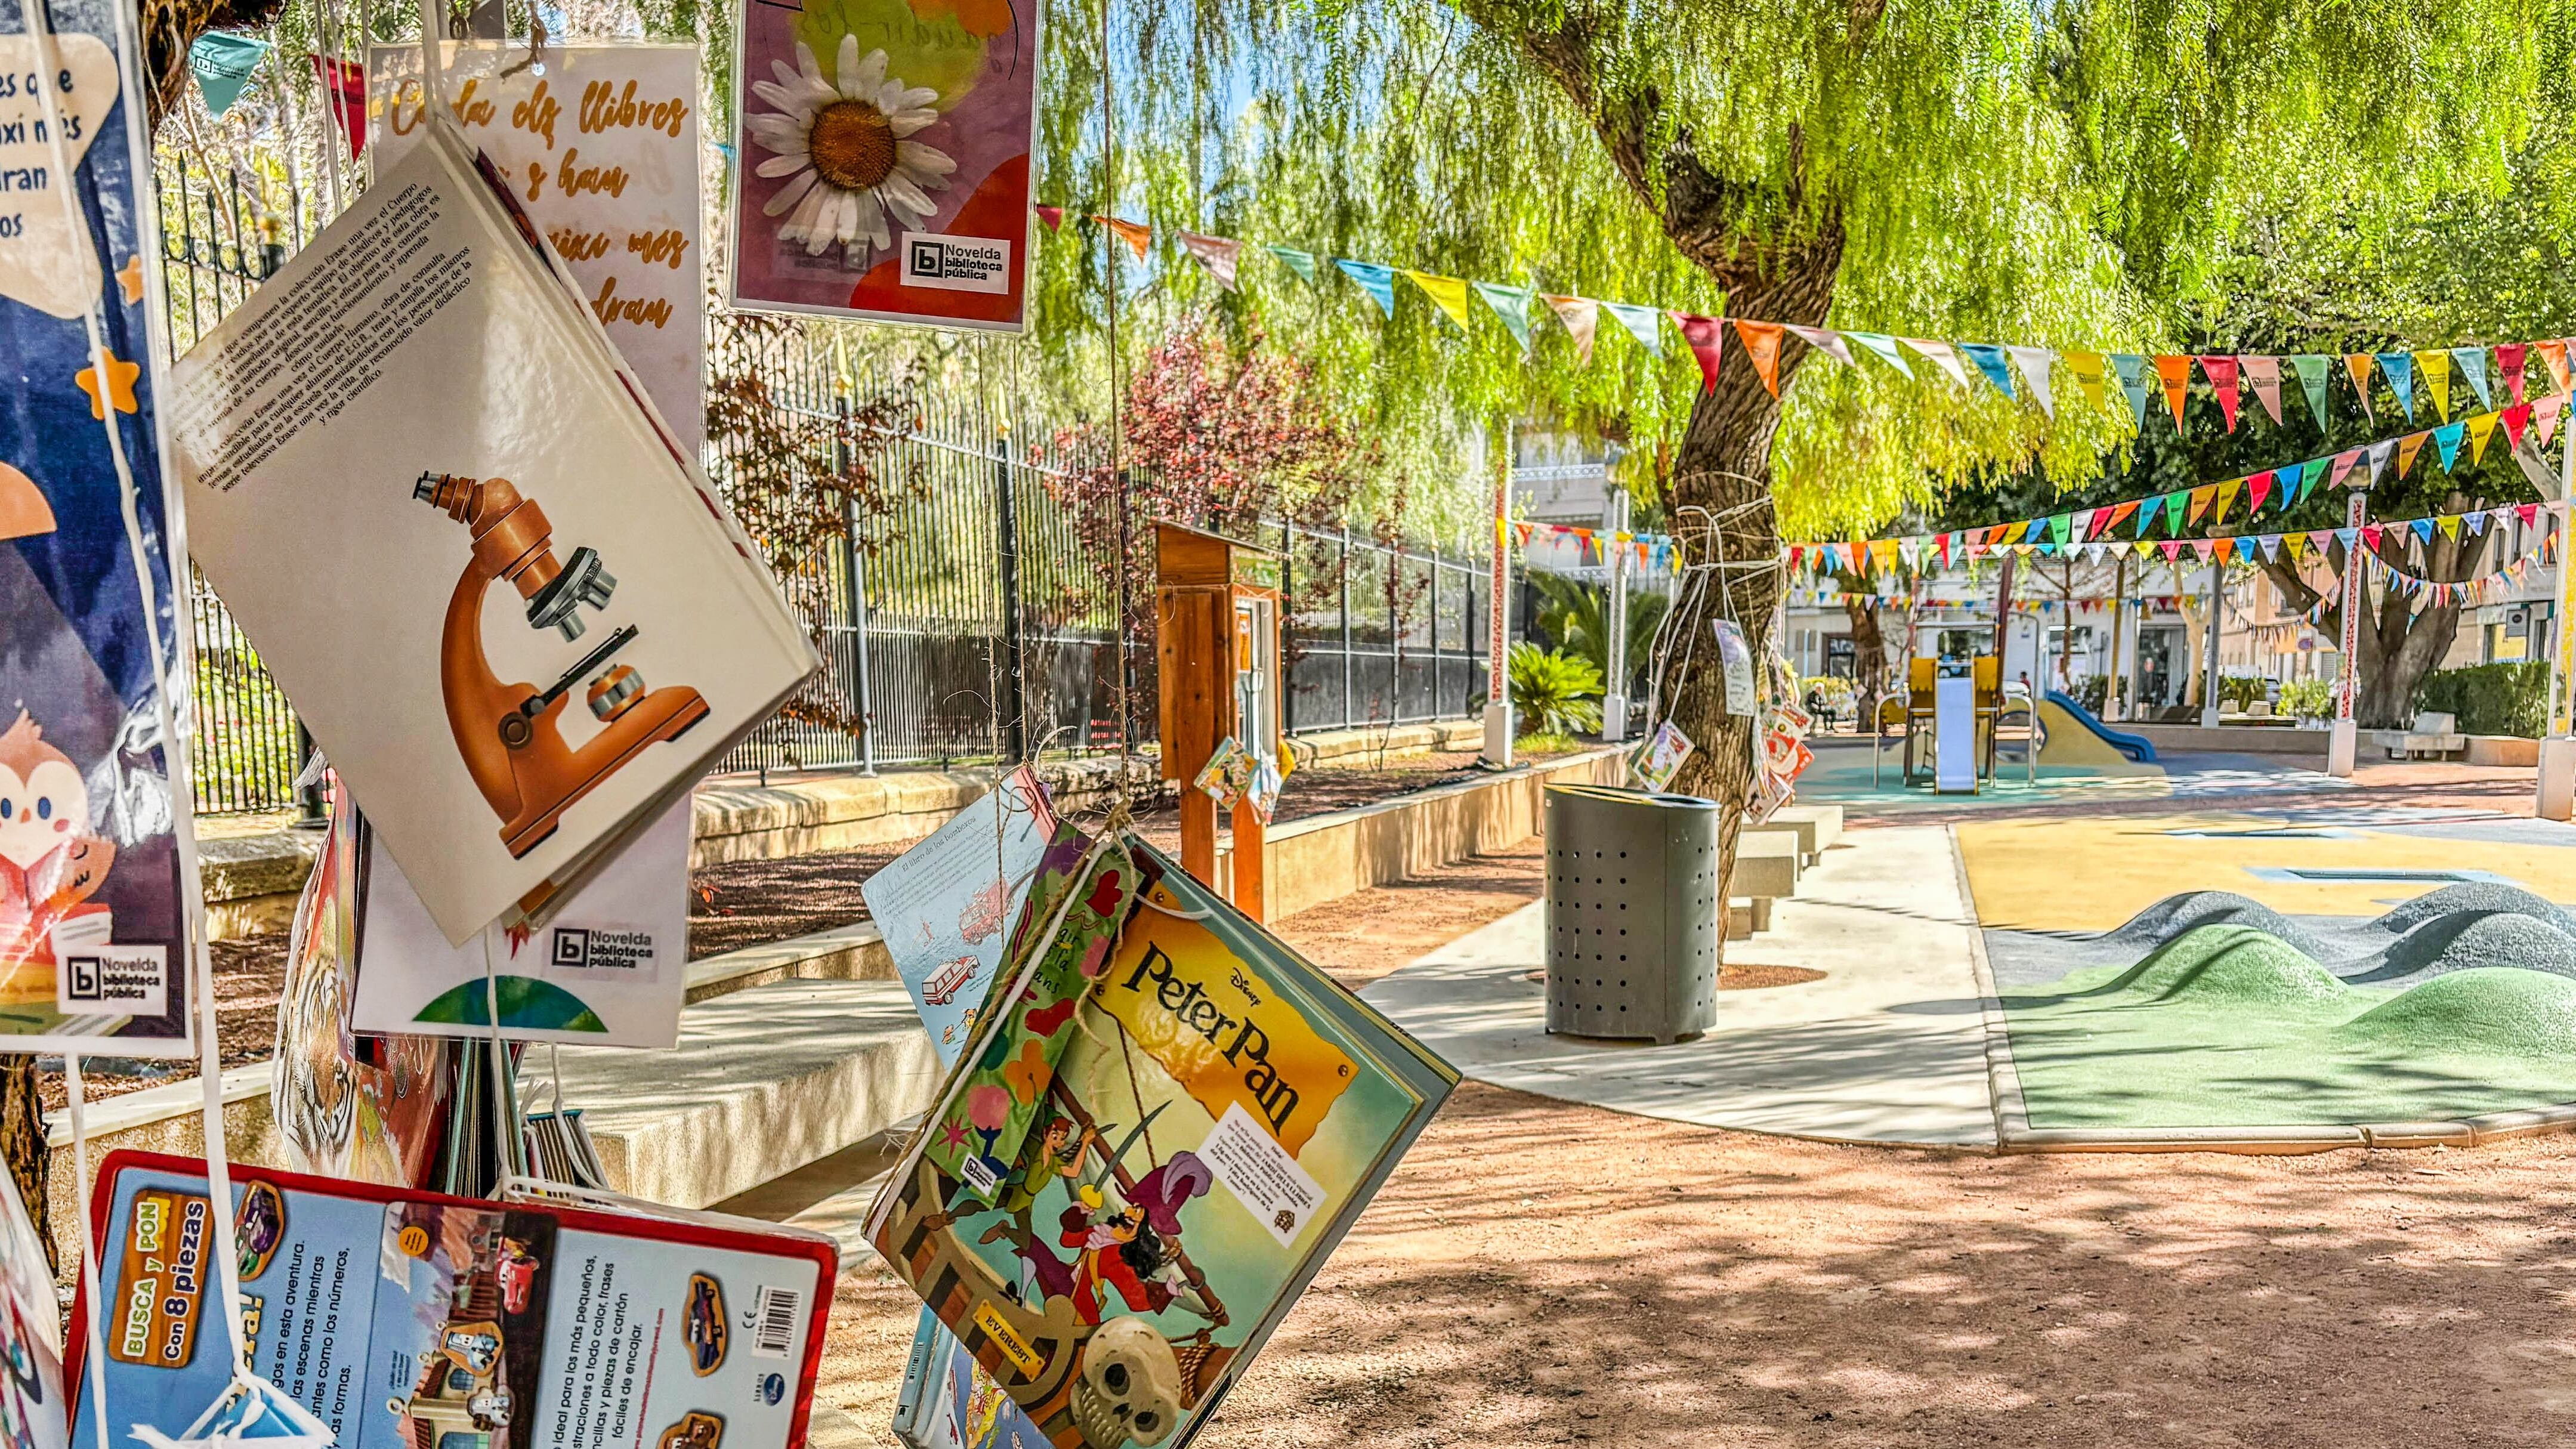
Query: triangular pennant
(2482, 426)
(2119, 514)
(1135, 234)
(1643, 323)
(2380, 453)
(2088, 370)
(2258, 486)
(222, 63)
(2311, 367)
(1994, 362)
(2407, 448)
(1302, 263)
(2147, 510)
(2312, 473)
(2511, 358)
(1827, 342)
(1582, 317)
(2477, 523)
(2367, 534)
(1051, 217)
(2221, 371)
(1377, 281)
(2344, 463)
(2271, 544)
(2400, 371)
(2222, 549)
(2173, 509)
(2450, 523)
(1707, 339)
(2554, 353)
(2433, 369)
(2447, 438)
(2205, 547)
(2200, 501)
(1940, 355)
(2545, 413)
(2472, 362)
(1762, 345)
(2359, 365)
(2133, 381)
(1512, 304)
(2263, 374)
(1885, 346)
(2226, 497)
(345, 85)
(2515, 419)
(2423, 528)
(2035, 363)
(2529, 513)
(1449, 292)
(1221, 255)
(2175, 373)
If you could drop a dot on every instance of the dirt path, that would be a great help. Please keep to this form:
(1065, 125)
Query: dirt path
(1540, 1273)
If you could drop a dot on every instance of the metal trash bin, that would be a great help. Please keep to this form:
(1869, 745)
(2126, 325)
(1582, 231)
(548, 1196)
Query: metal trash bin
(1632, 913)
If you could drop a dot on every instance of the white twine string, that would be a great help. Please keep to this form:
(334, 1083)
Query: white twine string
(96, 1358)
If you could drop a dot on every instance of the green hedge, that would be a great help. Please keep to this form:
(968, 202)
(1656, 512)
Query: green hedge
(2490, 699)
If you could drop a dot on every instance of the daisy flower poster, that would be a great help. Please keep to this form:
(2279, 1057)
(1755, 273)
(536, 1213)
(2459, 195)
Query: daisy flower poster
(884, 149)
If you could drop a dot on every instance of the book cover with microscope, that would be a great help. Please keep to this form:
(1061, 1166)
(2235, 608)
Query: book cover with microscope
(500, 595)
(1165, 1122)
(95, 870)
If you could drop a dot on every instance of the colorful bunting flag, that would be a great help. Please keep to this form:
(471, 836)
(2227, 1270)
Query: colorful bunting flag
(2447, 438)
(1377, 281)
(2407, 449)
(1707, 339)
(2554, 353)
(2433, 367)
(1827, 342)
(2311, 367)
(2264, 375)
(2258, 486)
(1136, 235)
(2511, 357)
(1512, 304)
(2380, 453)
(345, 84)
(1220, 255)
(1994, 362)
(1643, 323)
(2221, 371)
(2515, 420)
(2482, 426)
(2088, 370)
(2200, 501)
(2344, 463)
(1051, 217)
(2175, 373)
(1449, 292)
(2133, 381)
(222, 62)
(2359, 364)
(1582, 317)
(1940, 355)
(1762, 345)
(1302, 263)
(2226, 497)
(2400, 371)
(2472, 362)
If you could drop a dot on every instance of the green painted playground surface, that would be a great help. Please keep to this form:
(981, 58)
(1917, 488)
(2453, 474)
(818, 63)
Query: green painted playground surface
(2230, 1026)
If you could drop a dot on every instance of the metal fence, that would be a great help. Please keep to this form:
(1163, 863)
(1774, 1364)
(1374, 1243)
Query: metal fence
(969, 624)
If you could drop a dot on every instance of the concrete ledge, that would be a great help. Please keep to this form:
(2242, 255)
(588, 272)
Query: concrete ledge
(2233, 739)
(252, 880)
(1363, 748)
(2504, 750)
(844, 953)
(2265, 1141)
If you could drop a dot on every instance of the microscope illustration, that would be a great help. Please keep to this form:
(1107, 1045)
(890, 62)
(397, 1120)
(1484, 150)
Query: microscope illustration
(510, 734)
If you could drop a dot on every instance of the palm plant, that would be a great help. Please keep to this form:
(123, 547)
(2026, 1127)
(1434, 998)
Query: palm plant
(1576, 616)
(1554, 692)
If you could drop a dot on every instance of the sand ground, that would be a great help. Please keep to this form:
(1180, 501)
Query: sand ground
(1539, 1273)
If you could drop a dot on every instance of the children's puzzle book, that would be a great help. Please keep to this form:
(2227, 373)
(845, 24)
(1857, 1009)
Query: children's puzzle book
(407, 1320)
(1164, 1124)
(93, 827)
(503, 599)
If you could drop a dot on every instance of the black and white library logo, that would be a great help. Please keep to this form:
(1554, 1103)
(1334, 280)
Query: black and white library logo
(956, 263)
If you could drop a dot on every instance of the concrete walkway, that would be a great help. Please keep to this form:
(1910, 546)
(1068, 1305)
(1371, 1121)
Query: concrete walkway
(1889, 1047)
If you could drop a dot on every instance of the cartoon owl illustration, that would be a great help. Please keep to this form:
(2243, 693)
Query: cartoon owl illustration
(50, 865)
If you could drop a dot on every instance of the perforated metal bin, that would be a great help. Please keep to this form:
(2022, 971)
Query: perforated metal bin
(1632, 913)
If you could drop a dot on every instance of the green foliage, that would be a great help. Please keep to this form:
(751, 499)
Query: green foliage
(1553, 692)
(1575, 616)
(2490, 699)
(1546, 745)
(2239, 691)
(2307, 698)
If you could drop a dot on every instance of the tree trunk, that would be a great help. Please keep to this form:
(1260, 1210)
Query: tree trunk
(2398, 645)
(1721, 510)
(22, 1139)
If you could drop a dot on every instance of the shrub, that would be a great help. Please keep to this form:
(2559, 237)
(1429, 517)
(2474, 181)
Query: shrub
(2094, 692)
(1553, 692)
(2308, 698)
(2237, 691)
(2490, 699)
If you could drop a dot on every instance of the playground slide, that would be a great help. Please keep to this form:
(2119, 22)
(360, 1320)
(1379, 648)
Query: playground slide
(2060, 712)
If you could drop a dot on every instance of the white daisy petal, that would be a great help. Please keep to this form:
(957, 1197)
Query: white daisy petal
(898, 189)
(789, 194)
(922, 161)
(825, 219)
(782, 165)
(897, 97)
(904, 123)
(845, 66)
(871, 74)
(807, 214)
(870, 221)
(786, 73)
(806, 65)
(779, 128)
(783, 99)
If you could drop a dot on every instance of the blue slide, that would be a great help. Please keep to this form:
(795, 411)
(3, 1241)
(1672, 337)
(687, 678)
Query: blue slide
(2138, 749)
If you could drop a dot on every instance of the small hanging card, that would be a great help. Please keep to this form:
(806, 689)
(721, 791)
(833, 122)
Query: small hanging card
(1661, 759)
(1736, 654)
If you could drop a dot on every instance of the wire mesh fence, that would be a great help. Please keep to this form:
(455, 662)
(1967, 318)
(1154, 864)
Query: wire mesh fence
(967, 622)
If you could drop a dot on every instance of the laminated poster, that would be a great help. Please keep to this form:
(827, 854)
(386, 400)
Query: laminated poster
(607, 969)
(409, 1320)
(93, 934)
(946, 906)
(883, 159)
(600, 148)
(1662, 757)
(31, 1345)
(1736, 656)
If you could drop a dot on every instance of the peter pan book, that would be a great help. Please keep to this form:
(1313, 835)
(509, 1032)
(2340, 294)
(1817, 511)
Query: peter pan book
(1165, 1122)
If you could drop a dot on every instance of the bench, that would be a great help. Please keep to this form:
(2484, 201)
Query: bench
(2434, 735)
(1766, 868)
(1816, 826)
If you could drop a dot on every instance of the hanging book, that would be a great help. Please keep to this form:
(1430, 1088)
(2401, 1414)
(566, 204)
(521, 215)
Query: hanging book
(1144, 1157)
(445, 512)
(95, 891)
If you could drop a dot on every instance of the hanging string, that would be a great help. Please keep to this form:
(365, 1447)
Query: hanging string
(96, 1358)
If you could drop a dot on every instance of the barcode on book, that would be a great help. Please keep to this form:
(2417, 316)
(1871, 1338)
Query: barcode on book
(774, 1313)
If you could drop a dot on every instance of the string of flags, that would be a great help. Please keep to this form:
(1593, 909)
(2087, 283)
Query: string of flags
(1835, 598)
(2020, 372)
(1648, 552)
(2284, 488)
(2486, 588)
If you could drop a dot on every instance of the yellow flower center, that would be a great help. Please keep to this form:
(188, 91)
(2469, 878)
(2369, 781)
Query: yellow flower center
(852, 146)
